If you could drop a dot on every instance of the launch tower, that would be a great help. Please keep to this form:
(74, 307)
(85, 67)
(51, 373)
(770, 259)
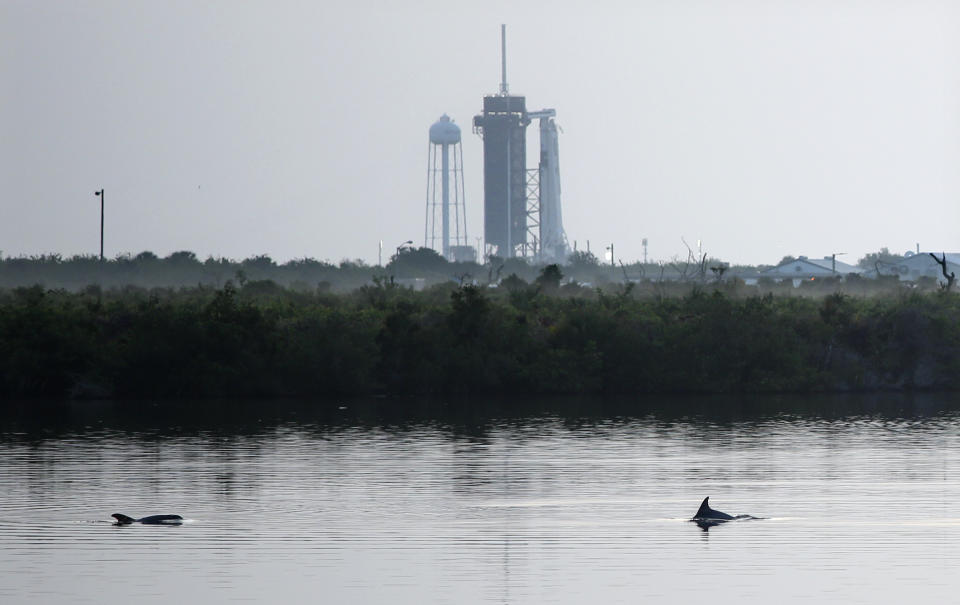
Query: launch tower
(521, 208)
(503, 126)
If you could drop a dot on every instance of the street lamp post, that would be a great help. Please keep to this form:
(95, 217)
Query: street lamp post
(409, 242)
(100, 195)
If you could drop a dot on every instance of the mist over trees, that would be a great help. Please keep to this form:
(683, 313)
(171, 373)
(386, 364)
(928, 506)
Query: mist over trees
(181, 268)
(419, 268)
(184, 268)
(883, 257)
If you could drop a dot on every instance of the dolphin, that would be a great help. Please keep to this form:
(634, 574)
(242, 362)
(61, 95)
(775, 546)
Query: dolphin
(706, 517)
(151, 520)
(705, 512)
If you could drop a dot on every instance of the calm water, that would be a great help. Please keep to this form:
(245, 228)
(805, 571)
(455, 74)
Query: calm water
(287, 504)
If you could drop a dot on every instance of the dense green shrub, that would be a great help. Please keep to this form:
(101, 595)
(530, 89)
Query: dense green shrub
(262, 339)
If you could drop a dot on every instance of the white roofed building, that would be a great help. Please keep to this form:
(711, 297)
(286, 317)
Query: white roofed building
(915, 266)
(804, 268)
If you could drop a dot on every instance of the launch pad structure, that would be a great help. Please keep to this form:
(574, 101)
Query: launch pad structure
(521, 207)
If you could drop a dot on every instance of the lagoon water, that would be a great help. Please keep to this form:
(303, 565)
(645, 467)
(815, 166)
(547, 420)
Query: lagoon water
(288, 502)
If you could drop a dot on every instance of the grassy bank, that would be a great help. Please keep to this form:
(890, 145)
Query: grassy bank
(264, 340)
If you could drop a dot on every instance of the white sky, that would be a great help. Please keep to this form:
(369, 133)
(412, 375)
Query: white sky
(293, 129)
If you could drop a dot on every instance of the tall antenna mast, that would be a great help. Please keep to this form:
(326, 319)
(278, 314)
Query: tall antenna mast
(504, 90)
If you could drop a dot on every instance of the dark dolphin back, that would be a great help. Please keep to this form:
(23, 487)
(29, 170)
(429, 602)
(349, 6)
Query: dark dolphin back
(154, 519)
(705, 512)
(151, 520)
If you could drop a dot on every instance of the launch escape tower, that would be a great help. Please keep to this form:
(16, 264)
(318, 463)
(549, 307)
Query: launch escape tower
(444, 141)
(521, 208)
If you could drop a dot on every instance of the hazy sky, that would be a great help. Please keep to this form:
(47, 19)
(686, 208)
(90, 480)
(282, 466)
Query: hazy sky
(299, 129)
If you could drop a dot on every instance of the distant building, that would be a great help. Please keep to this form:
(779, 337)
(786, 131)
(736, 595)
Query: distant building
(804, 268)
(915, 266)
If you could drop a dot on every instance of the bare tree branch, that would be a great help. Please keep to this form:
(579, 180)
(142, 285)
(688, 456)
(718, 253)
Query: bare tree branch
(950, 277)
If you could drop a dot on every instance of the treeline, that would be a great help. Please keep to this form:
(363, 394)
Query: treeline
(179, 269)
(185, 269)
(418, 267)
(262, 340)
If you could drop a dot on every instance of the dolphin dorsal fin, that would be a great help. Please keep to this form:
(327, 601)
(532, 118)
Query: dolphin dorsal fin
(704, 509)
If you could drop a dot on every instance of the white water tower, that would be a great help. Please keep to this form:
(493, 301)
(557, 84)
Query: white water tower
(446, 206)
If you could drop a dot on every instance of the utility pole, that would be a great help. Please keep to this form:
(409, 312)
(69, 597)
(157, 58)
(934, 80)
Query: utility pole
(833, 262)
(100, 195)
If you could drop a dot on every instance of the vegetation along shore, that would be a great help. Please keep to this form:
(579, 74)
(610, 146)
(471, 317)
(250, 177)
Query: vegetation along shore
(534, 335)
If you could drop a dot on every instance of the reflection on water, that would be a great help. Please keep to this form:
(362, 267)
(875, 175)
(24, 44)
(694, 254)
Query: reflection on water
(553, 501)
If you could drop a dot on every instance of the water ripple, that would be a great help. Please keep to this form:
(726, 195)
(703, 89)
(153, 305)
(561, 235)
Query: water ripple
(858, 509)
